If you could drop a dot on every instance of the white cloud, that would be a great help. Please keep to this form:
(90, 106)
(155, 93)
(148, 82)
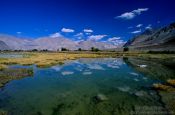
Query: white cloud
(88, 33)
(114, 38)
(88, 30)
(55, 35)
(148, 27)
(127, 15)
(66, 30)
(132, 14)
(136, 32)
(139, 10)
(139, 25)
(81, 40)
(116, 41)
(79, 35)
(96, 37)
(18, 32)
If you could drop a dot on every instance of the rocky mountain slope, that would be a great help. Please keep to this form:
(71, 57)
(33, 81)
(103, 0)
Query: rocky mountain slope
(101, 45)
(50, 43)
(3, 46)
(157, 40)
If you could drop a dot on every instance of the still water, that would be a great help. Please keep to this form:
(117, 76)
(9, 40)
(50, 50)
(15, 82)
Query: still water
(12, 55)
(108, 86)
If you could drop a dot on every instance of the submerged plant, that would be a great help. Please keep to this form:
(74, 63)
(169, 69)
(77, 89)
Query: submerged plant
(163, 87)
(11, 74)
(171, 81)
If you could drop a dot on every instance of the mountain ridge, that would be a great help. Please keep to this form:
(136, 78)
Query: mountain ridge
(158, 39)
(50, 43)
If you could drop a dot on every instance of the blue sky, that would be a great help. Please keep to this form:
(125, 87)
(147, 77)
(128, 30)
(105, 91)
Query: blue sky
(84, 19)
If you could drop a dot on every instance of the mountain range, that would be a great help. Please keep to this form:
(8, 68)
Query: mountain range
(154, 39)
(160, 39)
(8, 42)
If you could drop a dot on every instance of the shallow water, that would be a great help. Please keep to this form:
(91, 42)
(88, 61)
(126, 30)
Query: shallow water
(73, 89)
(11, 55)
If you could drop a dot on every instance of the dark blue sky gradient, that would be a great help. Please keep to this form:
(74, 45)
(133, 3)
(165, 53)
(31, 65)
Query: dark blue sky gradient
(36, 18)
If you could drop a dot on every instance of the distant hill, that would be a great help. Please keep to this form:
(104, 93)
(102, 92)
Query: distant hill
(3, 46)
(50, 43)
(101, 45)
(154, 39)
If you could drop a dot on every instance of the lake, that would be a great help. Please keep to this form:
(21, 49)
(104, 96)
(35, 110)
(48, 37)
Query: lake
(103, 86)
(11, 55)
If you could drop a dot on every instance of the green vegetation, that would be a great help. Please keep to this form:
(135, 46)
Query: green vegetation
(156, 68)
(125, 49)
(34, 50)
(94, 49)
(11, 74)
(79, 49)
(161, 52)
(64, 49)
(2, 112)
(164, 87)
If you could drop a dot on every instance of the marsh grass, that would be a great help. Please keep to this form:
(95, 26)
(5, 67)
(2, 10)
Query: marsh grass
(2, 66)
(47, 59)
(171, 82)
(9, 74)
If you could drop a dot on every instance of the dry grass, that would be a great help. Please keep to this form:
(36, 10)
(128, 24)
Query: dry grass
(2, 66)
(163, 87)
(48, 59)
(171, 81)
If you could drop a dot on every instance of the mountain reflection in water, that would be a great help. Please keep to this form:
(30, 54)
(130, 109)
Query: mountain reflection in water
(104, 86)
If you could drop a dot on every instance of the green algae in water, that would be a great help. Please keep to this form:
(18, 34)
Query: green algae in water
(107, 86)
(9, 74)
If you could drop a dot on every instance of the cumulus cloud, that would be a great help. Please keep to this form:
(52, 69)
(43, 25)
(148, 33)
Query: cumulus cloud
(88, 30)
(66, 30)
(18, 32)
(132, 14)
(140, 10)
(96, 37)
(139, 25)
(79, 35)
(116, 40)
(127, 15)
(148, 27)
(136, 32)
(80, 40)
(55, 35)
(88, 33)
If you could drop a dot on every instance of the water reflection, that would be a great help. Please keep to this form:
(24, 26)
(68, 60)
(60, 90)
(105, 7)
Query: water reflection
(156, 69)
(108, 86)
(8, 55)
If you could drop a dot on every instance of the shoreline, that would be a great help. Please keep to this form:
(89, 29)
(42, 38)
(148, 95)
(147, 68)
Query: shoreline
(47, 59)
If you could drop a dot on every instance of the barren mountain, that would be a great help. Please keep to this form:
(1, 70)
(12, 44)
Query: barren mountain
(51, 43)
(158, 40)
(15, 43)
(3, 46)
(101, 45)
(55, 43)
